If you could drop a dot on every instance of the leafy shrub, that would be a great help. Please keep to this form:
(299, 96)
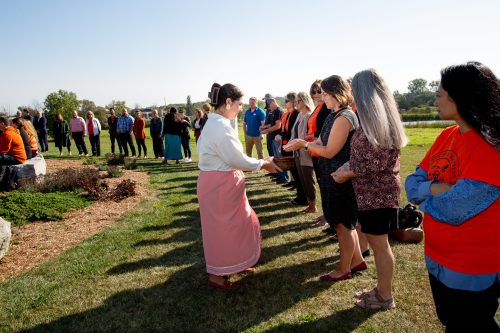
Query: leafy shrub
(89, 161)
(102, 167)
(114, 159)
(101, 191)
(114, 171)
(125, 189)
(130, 163)
(21, 207)
(64, 180)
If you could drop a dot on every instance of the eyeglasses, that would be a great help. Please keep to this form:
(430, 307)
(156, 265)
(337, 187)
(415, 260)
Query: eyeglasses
(316, 92)
(287, 100)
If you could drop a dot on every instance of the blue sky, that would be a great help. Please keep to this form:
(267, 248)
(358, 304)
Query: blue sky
(145, 52)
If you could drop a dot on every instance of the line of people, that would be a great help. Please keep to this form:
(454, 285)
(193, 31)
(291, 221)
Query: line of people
(354, 148)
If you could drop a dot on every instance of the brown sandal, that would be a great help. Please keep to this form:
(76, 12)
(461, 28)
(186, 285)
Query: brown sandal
(366, 293)
(375, 302)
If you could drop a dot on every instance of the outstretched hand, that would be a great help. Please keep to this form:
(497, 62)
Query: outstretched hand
(295, 144)
(270, 166)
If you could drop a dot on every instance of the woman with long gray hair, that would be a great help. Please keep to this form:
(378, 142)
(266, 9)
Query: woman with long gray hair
(374, 169)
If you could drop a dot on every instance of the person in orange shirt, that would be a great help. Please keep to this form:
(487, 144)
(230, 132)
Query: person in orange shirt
(140, 136)
(11, 145)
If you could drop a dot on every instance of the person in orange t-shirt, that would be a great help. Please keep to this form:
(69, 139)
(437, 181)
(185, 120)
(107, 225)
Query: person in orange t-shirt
(11, 145)
(457, 185)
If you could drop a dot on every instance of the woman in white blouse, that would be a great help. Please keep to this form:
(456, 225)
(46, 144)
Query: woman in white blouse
(230, 227)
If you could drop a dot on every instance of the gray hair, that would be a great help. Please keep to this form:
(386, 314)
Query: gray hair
(377, 111)
(307, 100)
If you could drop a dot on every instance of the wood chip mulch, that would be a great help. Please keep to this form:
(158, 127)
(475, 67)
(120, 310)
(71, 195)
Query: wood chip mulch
(36, 242)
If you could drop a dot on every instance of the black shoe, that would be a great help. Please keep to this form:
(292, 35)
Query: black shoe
(298, 202)
(289, 184)
(366, 253)
(329, 230)
(281, 181)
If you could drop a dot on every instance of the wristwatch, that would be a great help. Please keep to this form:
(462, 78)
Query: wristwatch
(307, 144)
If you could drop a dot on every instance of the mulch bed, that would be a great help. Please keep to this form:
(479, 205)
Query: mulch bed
(36, 242)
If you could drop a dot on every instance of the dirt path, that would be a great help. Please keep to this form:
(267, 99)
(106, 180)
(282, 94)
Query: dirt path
(36, 242)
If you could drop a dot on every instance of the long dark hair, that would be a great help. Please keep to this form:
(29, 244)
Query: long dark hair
(218, 94)
(476, 91)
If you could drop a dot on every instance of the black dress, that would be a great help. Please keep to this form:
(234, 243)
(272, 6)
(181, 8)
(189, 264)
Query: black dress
(338, 200)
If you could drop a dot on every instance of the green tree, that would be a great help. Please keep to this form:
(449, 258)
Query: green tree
(63, 102)
(417, 86)
(117, 105)
(434, 85)
(87, 106)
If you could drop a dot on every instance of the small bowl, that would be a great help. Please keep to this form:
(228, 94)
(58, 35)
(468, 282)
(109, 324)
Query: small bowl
(285, 163)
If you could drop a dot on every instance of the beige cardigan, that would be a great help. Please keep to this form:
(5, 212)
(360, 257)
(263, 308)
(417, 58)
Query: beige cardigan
(300, 125)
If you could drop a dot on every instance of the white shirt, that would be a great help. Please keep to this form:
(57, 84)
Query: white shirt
(219, 148)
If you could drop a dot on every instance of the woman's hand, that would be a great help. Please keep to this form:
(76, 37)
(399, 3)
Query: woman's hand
(277, 138)
(341, 176)
(438, 188)
(270, 166)
(295, 144)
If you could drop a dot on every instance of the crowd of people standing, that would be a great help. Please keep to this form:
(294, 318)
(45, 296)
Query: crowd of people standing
(347, 136)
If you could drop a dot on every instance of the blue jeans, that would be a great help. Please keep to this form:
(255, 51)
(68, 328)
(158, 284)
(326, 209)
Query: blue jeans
(276, 145)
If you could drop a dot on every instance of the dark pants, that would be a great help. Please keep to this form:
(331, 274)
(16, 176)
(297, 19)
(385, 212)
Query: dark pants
(185, 146)
(269, 145)
(141, 143)
(466, 311)
(301, 196)
(158, 146)
(8, 160)
(43, 141)
(95, 143)
(79, 142)
(126, 138)
(113, 136)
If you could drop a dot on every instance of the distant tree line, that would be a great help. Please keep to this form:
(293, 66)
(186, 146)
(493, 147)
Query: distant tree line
(420, 95)
(416, 104)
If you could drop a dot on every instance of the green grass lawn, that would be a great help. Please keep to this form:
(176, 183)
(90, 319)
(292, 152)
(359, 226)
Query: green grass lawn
(146, 273)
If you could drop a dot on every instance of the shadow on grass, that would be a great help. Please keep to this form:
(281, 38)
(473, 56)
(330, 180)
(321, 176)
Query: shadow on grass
(184, 302)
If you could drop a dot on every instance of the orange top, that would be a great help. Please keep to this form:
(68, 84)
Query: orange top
(311, 124)
(12, 144)
(138, 128)
(473, 246)
(33, 143)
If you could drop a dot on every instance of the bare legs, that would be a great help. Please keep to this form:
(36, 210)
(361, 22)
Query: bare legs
(350, 254)
(384, 262)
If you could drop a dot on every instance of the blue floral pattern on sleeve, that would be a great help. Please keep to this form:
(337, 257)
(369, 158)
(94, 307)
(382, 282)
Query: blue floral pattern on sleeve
(466, 199)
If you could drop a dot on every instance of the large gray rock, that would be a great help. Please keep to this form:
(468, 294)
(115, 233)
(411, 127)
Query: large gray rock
(5, 235)
(32, 168)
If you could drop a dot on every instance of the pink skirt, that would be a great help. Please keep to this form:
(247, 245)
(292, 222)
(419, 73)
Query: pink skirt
(230, 227)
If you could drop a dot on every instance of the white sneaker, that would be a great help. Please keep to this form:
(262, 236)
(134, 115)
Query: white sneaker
(133, 156)
(145, 156)
(189, 160)
(69, 153)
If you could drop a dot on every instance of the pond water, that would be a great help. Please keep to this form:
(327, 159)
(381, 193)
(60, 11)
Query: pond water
(413, 123)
